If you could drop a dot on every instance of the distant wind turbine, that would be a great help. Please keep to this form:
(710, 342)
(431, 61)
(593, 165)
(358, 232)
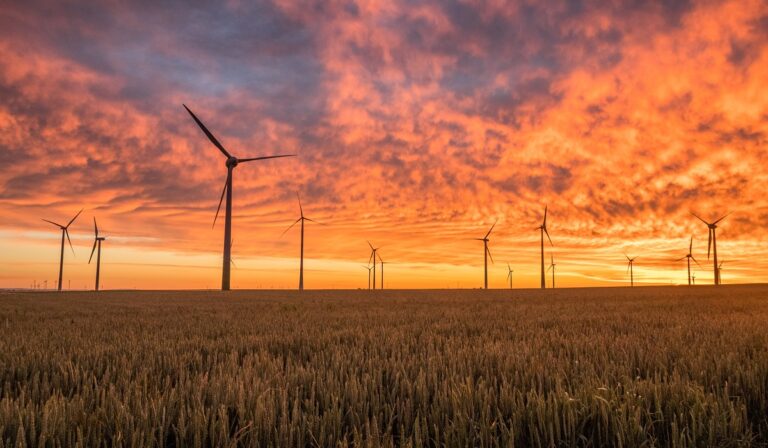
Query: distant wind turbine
(631, 269)
(381, 261)
(543, 229)
(694, 279)
(690, 257)
(712, 245)
(64, 233)
(96, 244)
(552, 267)
(301, 219)
(509, 275)
(373, 259)
(231, 163)
(486, 254)
(719, 270)
(369, 275)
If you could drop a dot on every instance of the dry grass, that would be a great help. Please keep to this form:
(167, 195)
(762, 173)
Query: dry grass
(608, 367)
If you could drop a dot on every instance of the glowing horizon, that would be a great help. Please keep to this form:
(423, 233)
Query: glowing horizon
(417, 125)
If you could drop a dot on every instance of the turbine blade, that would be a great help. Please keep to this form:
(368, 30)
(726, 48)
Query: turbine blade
(370, 245)
(265, 158)
(289, 227)
(301, 210)
(705, 222)
(489, 232)
(54, 223)
(208, 133)
(709, 245)
(690, 247)
(545, 217)
(66, 232)
(92, 251)
(73, 219)
(95, 227)
(316, 222)
(550, 239)
(724, 216)
(226, 182)
(628, 265)
(682, 258)
(697, 262)
(489, 254)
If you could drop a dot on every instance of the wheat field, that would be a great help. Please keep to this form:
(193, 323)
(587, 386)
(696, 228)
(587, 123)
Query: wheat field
(666, 366)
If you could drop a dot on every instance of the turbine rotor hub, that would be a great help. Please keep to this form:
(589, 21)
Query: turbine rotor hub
(231, 162)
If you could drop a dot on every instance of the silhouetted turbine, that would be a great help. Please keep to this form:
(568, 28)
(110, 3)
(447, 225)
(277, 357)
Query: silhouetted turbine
(381, 261)
(719, 270)
(373, 259)
(64, 233)
(96, 244)
(631, 269)
(509, 275)
(369, 275)
(486, 254)
(301, 219)
(690, 257)
(543, 229)
(712, 245)
(552, 267)
(231, 163)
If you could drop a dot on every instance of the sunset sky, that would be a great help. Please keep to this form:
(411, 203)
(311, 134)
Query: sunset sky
(417, 124)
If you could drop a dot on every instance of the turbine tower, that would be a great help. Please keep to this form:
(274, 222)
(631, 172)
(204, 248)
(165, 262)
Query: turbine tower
(543, 229)
(231, 163)
(301, 219)
(509, 275)
(64, 233)
(373, 258)
(690, 257)
(382, 271)
(712, 245)
(631, 269)
(96, 244)
(486, 254)
(552, 267)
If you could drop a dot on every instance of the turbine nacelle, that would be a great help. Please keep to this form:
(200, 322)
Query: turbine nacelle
(231, 162)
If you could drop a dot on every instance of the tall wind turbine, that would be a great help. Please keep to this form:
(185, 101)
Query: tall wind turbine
(509, 275)
(301, 219)
(373, 258)
(631, 269)
(64, 232)
(96, 244)
(486, 254)
(712, 245)
(231, 163)
(543, 229)
(552, 267)
(690, 257)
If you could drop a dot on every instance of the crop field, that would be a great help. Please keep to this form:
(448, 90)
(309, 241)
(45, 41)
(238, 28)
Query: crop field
(667, 366)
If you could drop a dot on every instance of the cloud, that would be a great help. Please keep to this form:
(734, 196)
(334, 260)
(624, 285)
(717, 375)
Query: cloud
(414, 122)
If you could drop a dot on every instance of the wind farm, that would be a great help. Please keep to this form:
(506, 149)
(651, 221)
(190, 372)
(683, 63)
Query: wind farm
(409, 136)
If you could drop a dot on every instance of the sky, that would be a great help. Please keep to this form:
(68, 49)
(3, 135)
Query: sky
(417, 125)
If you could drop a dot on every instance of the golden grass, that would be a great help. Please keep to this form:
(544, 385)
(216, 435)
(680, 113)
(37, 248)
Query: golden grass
(581, 367)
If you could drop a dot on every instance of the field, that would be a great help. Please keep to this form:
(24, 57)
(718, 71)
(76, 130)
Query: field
(671, 366)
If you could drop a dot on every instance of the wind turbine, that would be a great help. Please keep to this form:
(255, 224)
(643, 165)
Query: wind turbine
(543, 229)
(382, 271)
(631, 269)
(719, 269)
(552, 266)
(690, 257)
(486, 254)
(373, 258)
(369, 275)
(96, 243)
(231, 163)
(713, 242)
(509, 275)
(301, 219)
(694, 279)
(64, 232)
